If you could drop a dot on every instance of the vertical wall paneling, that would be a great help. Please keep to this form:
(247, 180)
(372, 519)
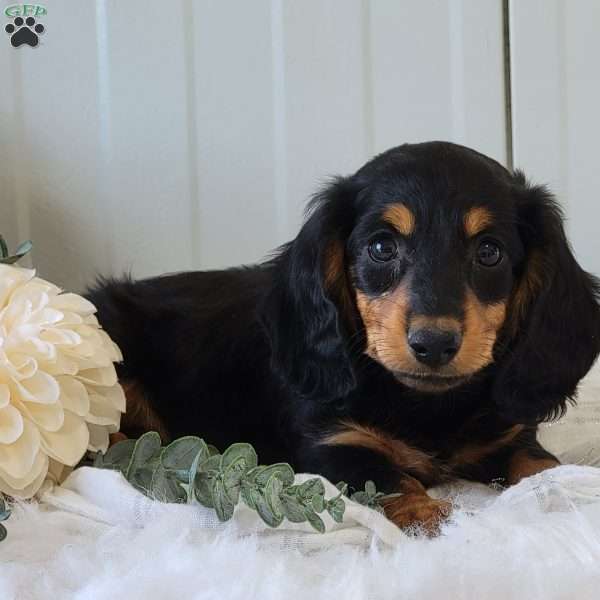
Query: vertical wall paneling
(190, 134)
(11, 158)
(555, 50)
(438, 73)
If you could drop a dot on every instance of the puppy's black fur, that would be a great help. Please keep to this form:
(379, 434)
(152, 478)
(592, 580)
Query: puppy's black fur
(274, 354)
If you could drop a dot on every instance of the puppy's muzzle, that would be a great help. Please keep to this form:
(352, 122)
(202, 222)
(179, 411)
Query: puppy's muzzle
(434, 347)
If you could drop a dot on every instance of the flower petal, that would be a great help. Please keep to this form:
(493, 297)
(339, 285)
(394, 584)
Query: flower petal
(11, 424)
(74, 396)
(63, 365)
(27, 486)
(59, 391)
(112, 348)
(40, 387)
(114, 394)
(73, 303)
(4, 395)
(69, 443)
(102, 376)
(60, 337)
(11, 277)
(19, 367)
(17, 459)
(102, 413)
(49, 417)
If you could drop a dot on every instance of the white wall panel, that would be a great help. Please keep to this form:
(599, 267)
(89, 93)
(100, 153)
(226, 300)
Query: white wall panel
(555, 50)
(437, 73)
(234, 120)
(153, 136)
(9, 154)
(53, 142)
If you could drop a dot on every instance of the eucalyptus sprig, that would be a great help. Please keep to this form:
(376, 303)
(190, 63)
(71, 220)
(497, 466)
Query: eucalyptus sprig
(4, 514)
(20, 252)
(369, 497)
(188, 470)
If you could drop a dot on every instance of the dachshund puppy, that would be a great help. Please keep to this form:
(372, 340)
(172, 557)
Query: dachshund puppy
(427, 317)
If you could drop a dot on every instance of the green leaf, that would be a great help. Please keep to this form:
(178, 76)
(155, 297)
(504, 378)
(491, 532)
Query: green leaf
(193, 471)
(188, 469)
(223, 505)
(182, 475)
(283, 471)
(336, 509)
(4, 511)
(165, 487)
(203, 489)
(370, 488)
(264, 510)
(360, 497)
(246, 491)
(3, 533)
(180, 454)
(343, 487)
(144, 450)
(314, 520)
(213, 463)
(252, 474)
(232, 479)
(23, 248)
(310, 488)
(237, 452)
(141, 479)
(272, 495)
(119, 455)
(9, 260)
(318, 503)
(20, 252)
(293, 509)
(99, 461)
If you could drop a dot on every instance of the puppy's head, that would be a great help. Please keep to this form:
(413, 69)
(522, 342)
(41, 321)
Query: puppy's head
(444, 265)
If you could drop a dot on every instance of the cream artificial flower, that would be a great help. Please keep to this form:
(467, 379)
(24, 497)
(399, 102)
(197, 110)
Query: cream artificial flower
(59, 394)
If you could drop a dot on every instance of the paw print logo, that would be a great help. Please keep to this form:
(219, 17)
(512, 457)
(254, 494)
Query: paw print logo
(24, 32)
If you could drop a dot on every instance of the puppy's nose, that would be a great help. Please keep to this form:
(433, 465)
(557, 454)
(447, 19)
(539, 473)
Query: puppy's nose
(434, 347)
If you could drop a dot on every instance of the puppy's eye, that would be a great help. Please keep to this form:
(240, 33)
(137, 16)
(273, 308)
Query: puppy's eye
(489, 254)
(383, 248)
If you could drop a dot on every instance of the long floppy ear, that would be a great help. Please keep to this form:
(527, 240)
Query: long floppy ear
(555, 317)
(303, 311)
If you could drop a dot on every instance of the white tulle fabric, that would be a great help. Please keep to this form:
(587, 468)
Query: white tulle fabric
(59, 394)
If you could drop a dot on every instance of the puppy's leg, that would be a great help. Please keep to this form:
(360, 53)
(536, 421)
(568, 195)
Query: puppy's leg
(527, 461)
(356, 454)
(415, 510)
(503, 458)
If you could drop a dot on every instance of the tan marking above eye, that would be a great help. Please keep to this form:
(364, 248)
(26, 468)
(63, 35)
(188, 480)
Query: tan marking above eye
(477, 220)
(401, 218)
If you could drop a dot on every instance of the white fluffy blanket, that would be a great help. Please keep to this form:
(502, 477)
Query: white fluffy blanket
(95, 537)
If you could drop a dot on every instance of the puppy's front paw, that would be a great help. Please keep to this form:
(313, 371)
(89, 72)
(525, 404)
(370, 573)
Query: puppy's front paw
(417, 512)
